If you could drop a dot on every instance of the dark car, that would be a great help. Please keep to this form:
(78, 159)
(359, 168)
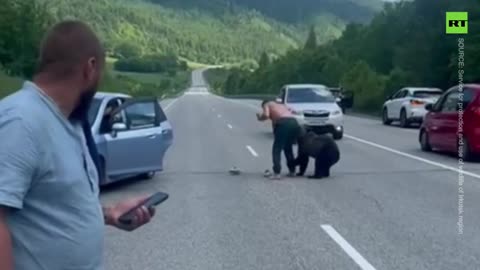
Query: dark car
(344, 98)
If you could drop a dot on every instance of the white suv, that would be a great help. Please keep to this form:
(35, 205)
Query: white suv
(408, 105)
(315, 107)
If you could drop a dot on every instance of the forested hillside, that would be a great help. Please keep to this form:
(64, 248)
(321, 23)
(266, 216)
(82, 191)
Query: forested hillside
(205, 31)
(214, 31)
(405, 45)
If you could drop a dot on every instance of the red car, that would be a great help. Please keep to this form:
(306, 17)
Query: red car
(441, 127)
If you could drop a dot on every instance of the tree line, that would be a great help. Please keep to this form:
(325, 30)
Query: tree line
(404, 45)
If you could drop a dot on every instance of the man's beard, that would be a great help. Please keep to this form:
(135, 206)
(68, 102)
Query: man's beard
(80, 113)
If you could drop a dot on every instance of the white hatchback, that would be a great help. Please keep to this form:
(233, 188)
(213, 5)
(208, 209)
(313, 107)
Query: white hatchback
(408, 105)
(315, 107)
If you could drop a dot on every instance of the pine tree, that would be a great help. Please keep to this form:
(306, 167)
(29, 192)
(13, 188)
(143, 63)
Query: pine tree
(264, 60)
(312, 39)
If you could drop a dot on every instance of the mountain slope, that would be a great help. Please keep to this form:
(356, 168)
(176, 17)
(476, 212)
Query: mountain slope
(211, 31)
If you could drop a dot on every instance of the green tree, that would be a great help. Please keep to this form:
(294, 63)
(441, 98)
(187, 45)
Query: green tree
(312, 39)
(127, 50)
(367, 86)
(264, 60)
(22, 25)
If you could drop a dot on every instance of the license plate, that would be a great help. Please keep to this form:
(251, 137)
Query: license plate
(317, 121)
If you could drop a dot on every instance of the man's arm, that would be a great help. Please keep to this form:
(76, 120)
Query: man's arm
(265, 115)
(19, 157)
(142, 215)
(6, 254)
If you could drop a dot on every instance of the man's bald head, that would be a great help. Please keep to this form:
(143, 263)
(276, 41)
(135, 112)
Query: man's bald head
(67, 47)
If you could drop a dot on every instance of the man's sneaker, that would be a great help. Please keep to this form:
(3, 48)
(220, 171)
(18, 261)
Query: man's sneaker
(291, 174)
(276, 177)
(267, 174)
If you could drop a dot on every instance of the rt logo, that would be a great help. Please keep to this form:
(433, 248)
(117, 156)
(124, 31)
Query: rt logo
(457, 22)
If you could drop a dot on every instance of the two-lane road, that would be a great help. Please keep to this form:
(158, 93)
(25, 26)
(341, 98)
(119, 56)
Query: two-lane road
(386, 206)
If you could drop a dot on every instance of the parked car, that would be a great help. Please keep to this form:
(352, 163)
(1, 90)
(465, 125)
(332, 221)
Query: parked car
(408, 105)
(345, 98)
(315, 107)
(440, 129)
(132, 135)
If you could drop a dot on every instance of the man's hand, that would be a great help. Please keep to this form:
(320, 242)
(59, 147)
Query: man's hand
(141, 216)
(6, 256)
(261, 117)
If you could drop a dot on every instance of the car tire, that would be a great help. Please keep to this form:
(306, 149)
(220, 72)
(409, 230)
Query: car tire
(467, 154)
(385, 119)
(337, 135)
(147, 176)
(403, 119)
(424, 141)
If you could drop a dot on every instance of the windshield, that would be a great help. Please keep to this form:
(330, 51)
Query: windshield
(93, 111)
(427, 94)
(310, 95)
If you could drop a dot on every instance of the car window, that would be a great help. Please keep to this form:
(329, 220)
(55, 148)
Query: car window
(427, 94)
(468, 96)
(450, 103)
(108, 119)
(140, 115)
(93, 110)
(310, 95)
(398, 94)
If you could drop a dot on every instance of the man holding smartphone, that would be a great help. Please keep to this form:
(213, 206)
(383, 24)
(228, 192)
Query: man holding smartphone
(50, 212)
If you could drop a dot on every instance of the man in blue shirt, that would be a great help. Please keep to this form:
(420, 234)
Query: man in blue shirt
(50, 213)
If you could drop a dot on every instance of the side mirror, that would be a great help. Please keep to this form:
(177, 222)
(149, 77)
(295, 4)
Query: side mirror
(338, 100)
(429, 107)
(278, 100)
(119, 127)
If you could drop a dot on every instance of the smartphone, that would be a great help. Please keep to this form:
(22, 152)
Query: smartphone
(152, 201)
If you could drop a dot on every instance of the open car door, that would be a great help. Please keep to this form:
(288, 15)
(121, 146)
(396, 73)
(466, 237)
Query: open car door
(136, 143)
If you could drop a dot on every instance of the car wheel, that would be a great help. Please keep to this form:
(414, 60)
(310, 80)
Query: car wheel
(424, 141)
(466, 151)
(338, 135)
(385, 119)
(148, 175)
(403, 119)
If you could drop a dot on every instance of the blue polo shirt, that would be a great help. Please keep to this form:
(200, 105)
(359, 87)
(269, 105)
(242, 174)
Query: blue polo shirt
(50, 182)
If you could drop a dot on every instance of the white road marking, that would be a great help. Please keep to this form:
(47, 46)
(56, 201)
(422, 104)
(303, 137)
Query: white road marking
(170, 104)
(391, 150)
(197, 93)
(229, 126)
(219, 115)
(252, 151)
(424, 160)
(351, 251)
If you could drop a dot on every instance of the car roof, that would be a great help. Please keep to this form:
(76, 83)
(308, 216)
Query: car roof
(294, 86)
(475, 86)
(426, 89)
(103, 95)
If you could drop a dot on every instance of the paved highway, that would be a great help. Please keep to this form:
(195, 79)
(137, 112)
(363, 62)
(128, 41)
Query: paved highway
(387, 205)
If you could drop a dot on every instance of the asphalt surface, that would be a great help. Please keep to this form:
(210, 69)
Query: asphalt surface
(387, 205)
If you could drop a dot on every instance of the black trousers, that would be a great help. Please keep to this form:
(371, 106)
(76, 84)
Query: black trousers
(285, 132)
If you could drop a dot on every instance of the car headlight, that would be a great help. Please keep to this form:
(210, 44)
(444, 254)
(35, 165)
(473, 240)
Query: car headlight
(336, 112)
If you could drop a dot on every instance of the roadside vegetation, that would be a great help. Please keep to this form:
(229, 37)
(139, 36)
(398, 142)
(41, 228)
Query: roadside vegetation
(405, 45)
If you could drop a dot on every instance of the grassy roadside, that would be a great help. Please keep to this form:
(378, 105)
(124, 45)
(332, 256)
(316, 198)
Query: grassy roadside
(131, 83)
(8, 84)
